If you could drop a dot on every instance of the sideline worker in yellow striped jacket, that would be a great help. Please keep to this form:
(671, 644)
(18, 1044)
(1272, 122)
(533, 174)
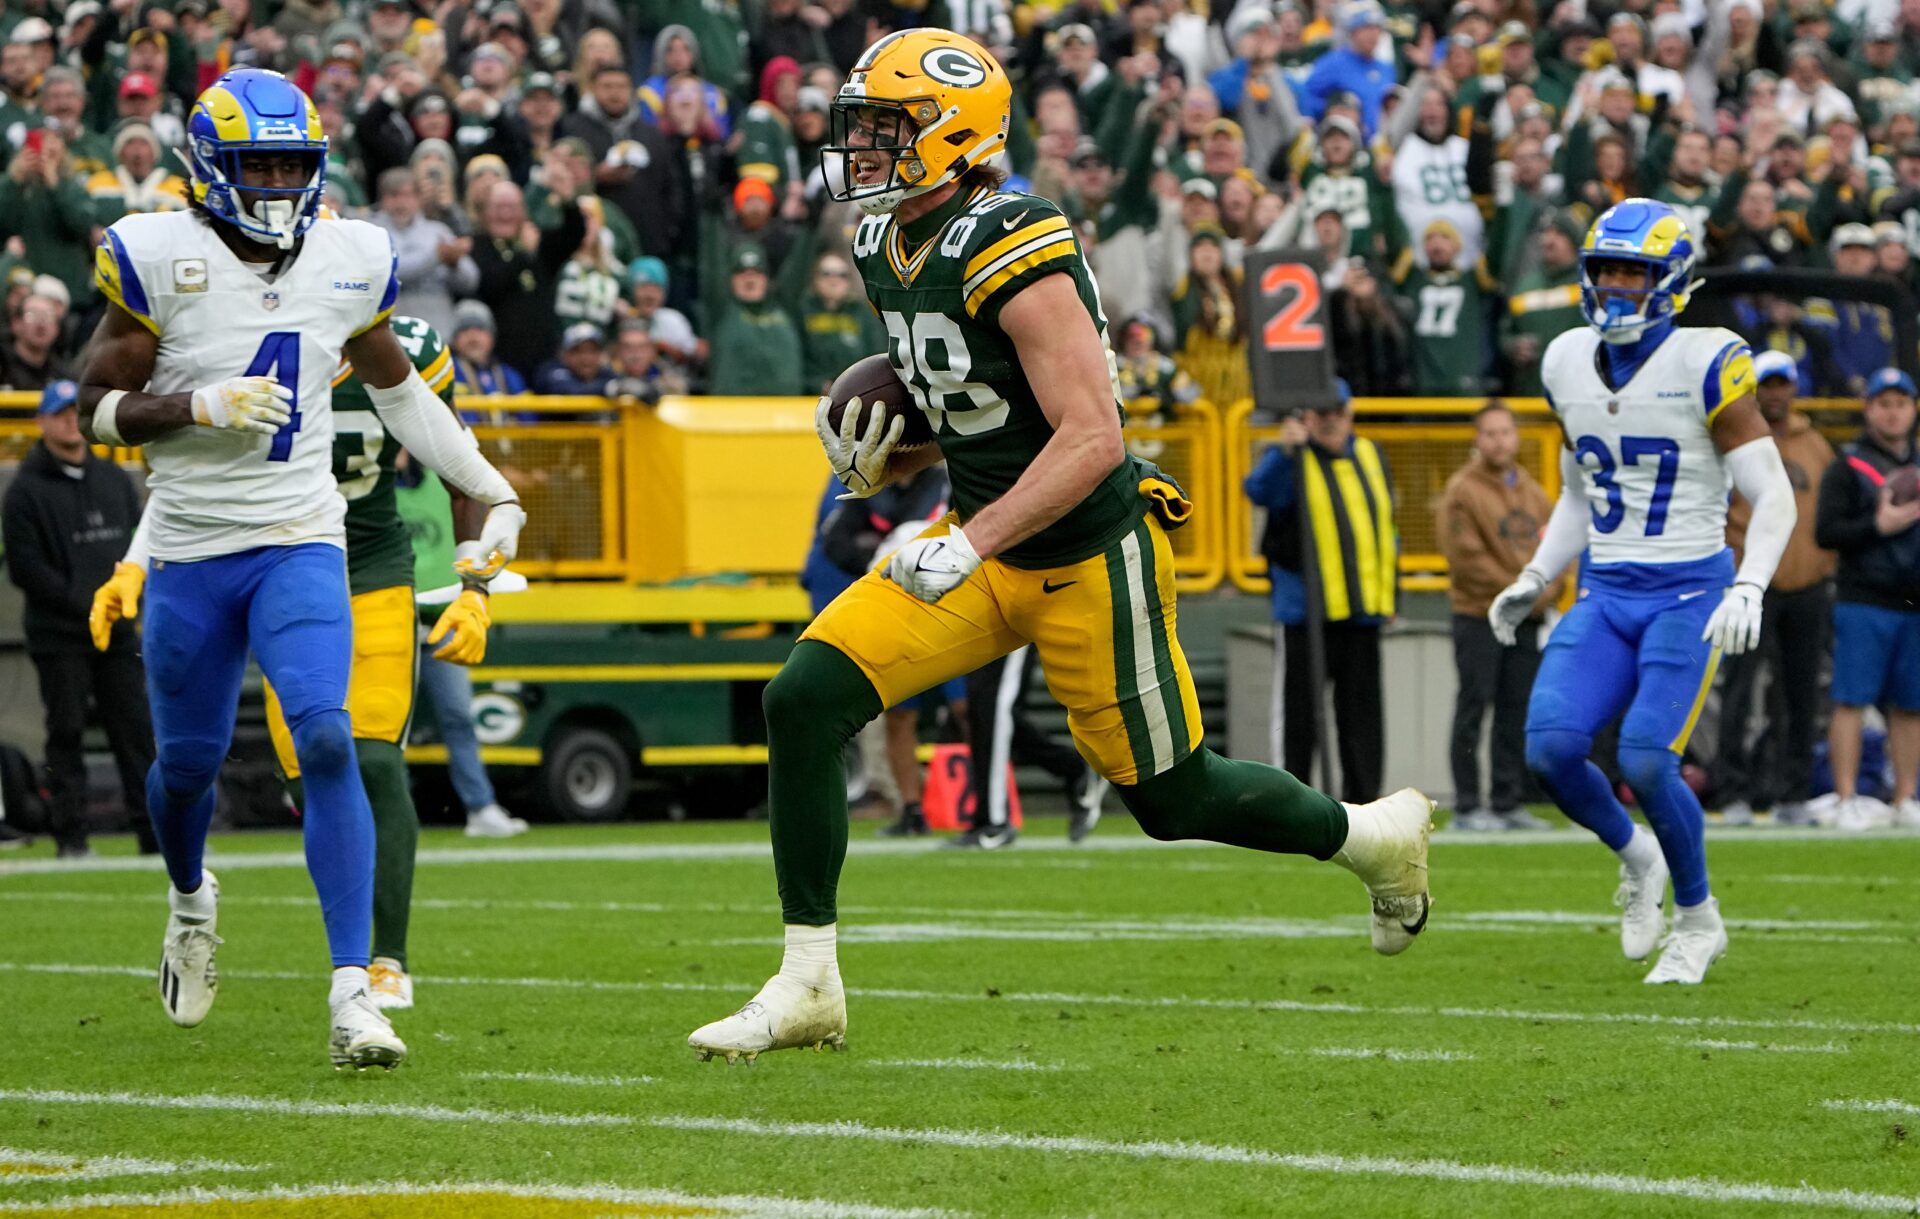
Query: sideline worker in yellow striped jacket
(1356, 557)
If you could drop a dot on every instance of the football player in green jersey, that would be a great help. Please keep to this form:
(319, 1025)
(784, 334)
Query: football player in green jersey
(1058, 539)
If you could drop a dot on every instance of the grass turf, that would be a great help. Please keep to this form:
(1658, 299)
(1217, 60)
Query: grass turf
(1161, 1031)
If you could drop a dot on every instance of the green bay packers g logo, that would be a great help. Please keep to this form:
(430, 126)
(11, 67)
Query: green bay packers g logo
(953, 66)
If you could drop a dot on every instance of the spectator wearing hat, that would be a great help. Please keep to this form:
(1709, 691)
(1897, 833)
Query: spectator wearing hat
(19, 84)
(811, 130)
(141, 101)
(1152, 387)
(44, 204)
(1209, 320)
(67, 519)
(1876, 616)
(519, 262)
(1628, 35)
(647, 282)
(1368, 337)
(1341, 176)
(1076, 59)
(389, 22)
(704, 164)
(754, 221)
(433, 265)
(138, 183)
(837, 326)
(580, 369)
(1349, 498)
(1491, 517)
(485, 123)
(1543, 304)
(1884, 79)
(634, 168)
(541, 111)
(1253, 35)
(1446, 303)
(437, 177)
(1430, 179)
(32, 359)
(1893, 258)
(1770, 765)
(756, 348)
(1354, 67)
(477, 367)
(1859, 334)
(676, 52)
(1117, 215)
(765, 148)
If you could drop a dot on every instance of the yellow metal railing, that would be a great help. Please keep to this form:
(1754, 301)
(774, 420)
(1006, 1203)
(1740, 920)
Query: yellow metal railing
(701, 486)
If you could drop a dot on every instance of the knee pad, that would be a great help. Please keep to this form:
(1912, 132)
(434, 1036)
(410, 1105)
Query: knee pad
(323, 742)
(1552, 751)
(189, 767)
(1647, 769)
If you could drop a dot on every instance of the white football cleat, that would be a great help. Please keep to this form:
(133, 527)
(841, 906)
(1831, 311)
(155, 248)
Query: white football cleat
(1386, 848)
(390, 985)
(785, 1015)
(188, 980)
(1478, 819)
(1699, 939)
(1642, 897)
(1907, 815)
(361, 1036)
(1736, 812)
(494, 822)
(1861, 813)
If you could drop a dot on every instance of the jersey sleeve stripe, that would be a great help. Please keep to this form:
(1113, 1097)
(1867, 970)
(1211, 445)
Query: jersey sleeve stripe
(1729, 378)
(393, 288)
(346, 370)
(439, 373)
(1009, 255)
(1063, 250)
(378, 318)
(114, 271)
(993, 253)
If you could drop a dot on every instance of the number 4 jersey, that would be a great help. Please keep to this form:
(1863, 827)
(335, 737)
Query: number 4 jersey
(1654, 479)
(939, 290)
(215, 491)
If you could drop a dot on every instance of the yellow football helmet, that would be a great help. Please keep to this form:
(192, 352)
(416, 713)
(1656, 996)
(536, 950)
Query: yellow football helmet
(935, 103)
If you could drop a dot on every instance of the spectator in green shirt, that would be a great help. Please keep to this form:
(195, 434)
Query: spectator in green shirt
(43, 203)
(756, 347)
(1544, 304)
(837, 326)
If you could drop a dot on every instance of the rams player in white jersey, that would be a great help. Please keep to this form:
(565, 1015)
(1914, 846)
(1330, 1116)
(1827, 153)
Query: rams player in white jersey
(1658, 421)
(225, 326)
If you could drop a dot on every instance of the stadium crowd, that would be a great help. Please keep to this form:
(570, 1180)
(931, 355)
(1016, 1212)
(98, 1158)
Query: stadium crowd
(636, 184)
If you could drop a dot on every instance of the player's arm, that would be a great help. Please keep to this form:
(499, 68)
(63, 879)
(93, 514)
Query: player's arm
(115, 408)
(1746, 446)
(415, 416)
(1560, 544)
(1066, 363)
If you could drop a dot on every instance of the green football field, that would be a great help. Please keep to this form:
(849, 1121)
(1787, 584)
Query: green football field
(1119, 1029)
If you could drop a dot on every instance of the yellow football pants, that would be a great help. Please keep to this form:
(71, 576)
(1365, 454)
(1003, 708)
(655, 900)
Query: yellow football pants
(1104, 628)
(380, 687)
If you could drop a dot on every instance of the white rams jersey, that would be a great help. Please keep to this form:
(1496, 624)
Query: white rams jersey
(214, 491)
(1429, 184)
(1654, 480)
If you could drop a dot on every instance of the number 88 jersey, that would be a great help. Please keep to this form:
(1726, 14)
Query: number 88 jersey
(379, 548)
(1655, 482)
(939, 285)
(217, 491)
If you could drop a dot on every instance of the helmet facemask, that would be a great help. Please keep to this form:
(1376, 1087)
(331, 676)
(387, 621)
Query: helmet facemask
(1622, 314)
(865, 132)
(268, 215)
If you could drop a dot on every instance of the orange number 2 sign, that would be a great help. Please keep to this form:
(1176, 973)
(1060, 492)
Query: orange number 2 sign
(1290, 329)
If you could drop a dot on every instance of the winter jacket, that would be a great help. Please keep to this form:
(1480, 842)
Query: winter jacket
(650, 196)
(756, 353)
(1874, 570)
(1489, 525)
(63, 536)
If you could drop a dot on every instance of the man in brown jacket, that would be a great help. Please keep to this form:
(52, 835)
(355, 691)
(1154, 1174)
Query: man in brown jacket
(1770, 764)
(1491, 515)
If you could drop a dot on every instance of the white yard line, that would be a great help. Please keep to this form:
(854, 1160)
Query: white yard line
(757, 851)
(1053, 998)
(967, 1064)
(1871, 1106)
(739, 1204)
(557, 1077)
(1769, 1047)
(55, 1166)
(1691, 1188)
(1387, 1055)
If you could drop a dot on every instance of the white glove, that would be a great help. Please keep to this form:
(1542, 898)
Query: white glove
(499, 541)
(1735, 625)
(930, 568)
(1514, 604)
(245, 404)
(859, 462)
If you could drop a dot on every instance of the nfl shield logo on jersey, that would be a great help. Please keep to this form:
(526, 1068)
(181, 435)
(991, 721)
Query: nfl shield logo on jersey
(270, 300)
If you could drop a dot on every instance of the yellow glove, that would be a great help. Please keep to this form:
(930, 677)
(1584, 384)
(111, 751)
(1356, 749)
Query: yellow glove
(118, 598)
(464, 625)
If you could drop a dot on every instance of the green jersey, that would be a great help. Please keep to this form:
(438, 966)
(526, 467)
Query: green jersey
(1365, 204)
(939, 284)
(1449, 329)
(379, 549)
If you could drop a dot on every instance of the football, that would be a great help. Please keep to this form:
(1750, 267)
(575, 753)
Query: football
(874, 382)
(1903, 485)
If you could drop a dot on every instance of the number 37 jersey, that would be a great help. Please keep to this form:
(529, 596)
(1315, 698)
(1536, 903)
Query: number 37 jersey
(1654, 480)
(216, 491)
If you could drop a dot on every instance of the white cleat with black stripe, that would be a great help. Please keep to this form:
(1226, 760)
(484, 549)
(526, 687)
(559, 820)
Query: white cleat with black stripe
(787, 1014)
(1386, 848)
(362, 1036)
(188, 980)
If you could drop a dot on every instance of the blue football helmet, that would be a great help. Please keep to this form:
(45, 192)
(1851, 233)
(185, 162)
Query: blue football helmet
(1652, 235)
(251, 109)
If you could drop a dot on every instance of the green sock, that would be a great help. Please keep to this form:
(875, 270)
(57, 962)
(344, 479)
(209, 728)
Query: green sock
(814, 706)
(396, 832)
(1242, 804)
